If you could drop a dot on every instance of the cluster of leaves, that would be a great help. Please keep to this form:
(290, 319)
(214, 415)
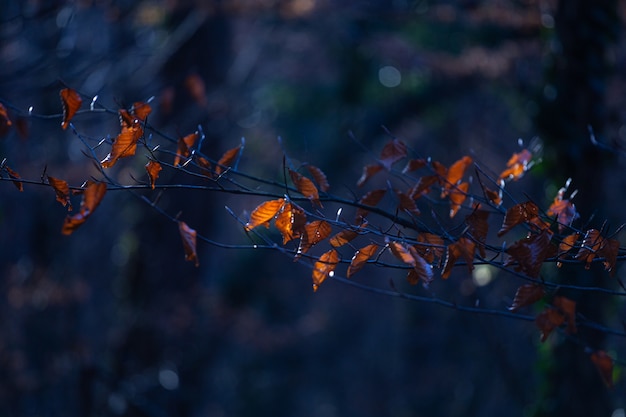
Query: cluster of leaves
(422, 251)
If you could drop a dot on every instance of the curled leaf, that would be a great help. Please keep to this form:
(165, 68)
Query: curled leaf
(124, 145)
(313, 233)
(188, 236)
(62, 191)
(360, 258)
(526, 295)
(518, 214)
(264, 212)
(153, 168)
(306, 187)
(323, 267)
(92, 196)
(290, 221)
(71, 102)
(563, 209)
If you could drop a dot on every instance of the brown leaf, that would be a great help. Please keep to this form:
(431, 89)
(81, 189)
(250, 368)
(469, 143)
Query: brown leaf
(92, 196)
(565, 246)
(568, 308)
(71, 101)
(526, 295)
(314, 232)
(462, 248)
(518, 214)
(62, 190)
(227, 160)
(264, 212)
(290, 222)
(306, 187)
(423, 270)
(368, 172)
(609, 252)
(564, 211)
(188, 236)
(414, 165)
(153, 168)
(360, 258)
(323, 267)
(548, 320)
(392, 152)
(517, 165)
(431, 247)
(406, 203)
(402, 253)
(592, 243)
(204, 165)
(184, 147)
(494, 196)
(124, 145)
(5, 122)
(372, 198)
(458, 194)
(441, 171)
(141, 110)
(530, 252)
(343, 237)
(15, 177)
(477, 227)
(604, 365)
(319, 177)
(423, 186)
(455, 174)
(197, 89)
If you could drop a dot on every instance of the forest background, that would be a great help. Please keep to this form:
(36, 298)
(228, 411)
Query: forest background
(112, 321)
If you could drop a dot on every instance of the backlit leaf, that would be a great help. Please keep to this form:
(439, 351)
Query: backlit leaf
(227, 160)
(141, 110)
(592, 242)
(527, 254)
(264, 212)
(368, 172)
(604, 364)
(372, 198)
(478, 227)
(563, 209)
(423, 270)
(290, 221)
(526, 295)
(306, 187)
(15, 177)
(406, 203)
(392, 152)
(313, 233)
(609, 252)
(431, 247)
(568, 308)
(188, 236)
(323, 267)
(517, 165)
(548, 320)
(92, 196)
(457, 196)
(402, 253)
(71, 101)
(319, 177)
(565, 246)
(343, 237)
(124, 145)
(455, 174)
(184, 147)
(518, 214)
(153, 168)
(204, 165)
(62, 191)
(360, 258)
(462, 248)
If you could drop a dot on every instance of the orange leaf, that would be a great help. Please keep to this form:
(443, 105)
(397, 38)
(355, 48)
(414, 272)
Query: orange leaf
(494, 196)
(592, 243)
(565, 246)
(126, 118)
(62, 190)
(568, 308)
(455, 174)
(392, 152)
(458, 194)
(604, 364)
(92, 196)
(153, 168)
(402, 253)
(124, 145)
(368, 172)
(188, 236)
(477, 227)
(323, 267)
(464, 248)
(264, 213)
(360, 258)
(184, 147)
(414, 165)
(343, 237)
(530, 252)
(406, 203)
(609, 252)
(227, 160)
(526, 295)
(71, 101)
(15, 177)
(306, 187)
(563, 209)
(517, 165)
(141, 110)
(519, 213)
(423, 270)
(372, 198)
(319, 177)
(314, 232)
(548, 320)
(431, 246)
(290, 222)
(205, 165)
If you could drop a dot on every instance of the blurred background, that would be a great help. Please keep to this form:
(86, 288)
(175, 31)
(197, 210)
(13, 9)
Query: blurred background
(112, 321)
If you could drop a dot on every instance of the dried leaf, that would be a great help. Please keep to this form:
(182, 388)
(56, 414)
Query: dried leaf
(458, 195)
(431, 247)
(124, 145)
(92, 196)
(227, 160)
(530, 252)
(455, 174)
(15, 177)
(494, 196)
(441, 171)
(188, 236)
(141, 110)
(526, 295)
(314, 232)
(604, 364)
(423, 186)
(264, 212)
(592, 243)
(423, 270)
(290, 221)
(565, 246)
(5, 122)
(609, 252)
(319, 177)
(477, 227)
(462, 248)
(519, 213)
(402, 253)
(568, 308)
(71, 102)
(392, 152)
(548, 320)
(306, 187)
(153, 168)
(343, 237)
(406, 203)
(323, 267)
(517, 165)
(197, 89)
(184, 147)
(371, 199)
(62, 190)
(368, 172)
(564, 211)
(414, 165)
(205, 166)
(360, 258)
